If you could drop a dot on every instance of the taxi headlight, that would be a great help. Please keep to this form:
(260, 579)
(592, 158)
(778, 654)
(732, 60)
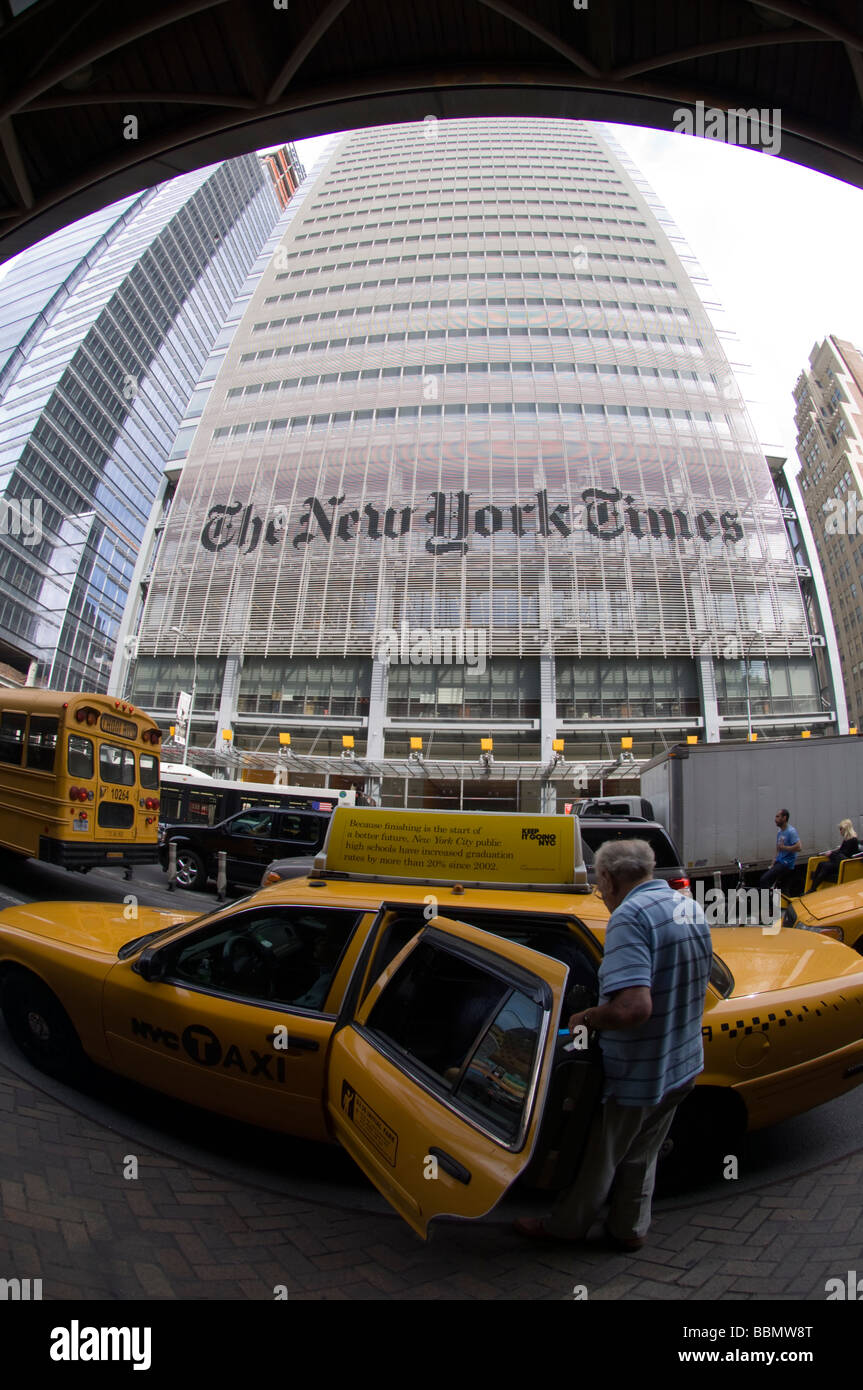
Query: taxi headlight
(269, 878)
(836, 932)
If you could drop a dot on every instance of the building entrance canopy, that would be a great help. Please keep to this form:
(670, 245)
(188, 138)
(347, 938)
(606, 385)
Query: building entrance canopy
(124, 97)
(575, 774)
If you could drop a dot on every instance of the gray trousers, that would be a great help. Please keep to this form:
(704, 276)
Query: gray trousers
(620, 1159)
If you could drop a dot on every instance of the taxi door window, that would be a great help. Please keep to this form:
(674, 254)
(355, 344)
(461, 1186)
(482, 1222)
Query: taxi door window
(281, 955)
(80, 756)
(117, 765)
(471, 1033)
(436, 1008)
(495, 1083)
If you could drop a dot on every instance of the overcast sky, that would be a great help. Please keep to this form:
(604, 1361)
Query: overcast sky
(782, 246)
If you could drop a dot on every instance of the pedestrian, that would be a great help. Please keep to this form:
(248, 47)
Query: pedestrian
(787, 850)
(652, 982)
(828, 872)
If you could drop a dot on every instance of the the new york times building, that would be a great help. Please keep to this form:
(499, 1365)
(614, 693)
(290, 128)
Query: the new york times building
(474, 466)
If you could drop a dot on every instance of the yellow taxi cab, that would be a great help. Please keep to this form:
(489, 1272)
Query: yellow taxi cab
(408, 999)
(834, 909)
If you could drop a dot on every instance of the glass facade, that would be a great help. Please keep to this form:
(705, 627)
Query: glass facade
(106, 326)
(476, 389)
(829, 417)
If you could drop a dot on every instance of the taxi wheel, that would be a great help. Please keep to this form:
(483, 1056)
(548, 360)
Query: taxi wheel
(191, 869)
(40, 1026)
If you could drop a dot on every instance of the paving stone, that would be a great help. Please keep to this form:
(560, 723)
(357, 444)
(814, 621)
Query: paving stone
(714, 1288)
(178, 1232)
(153, 1281)
(699, 1275)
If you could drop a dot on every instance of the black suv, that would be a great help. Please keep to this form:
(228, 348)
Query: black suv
(596, 830)
(250, 839)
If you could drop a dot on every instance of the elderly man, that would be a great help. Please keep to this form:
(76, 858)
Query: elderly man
(652, 980)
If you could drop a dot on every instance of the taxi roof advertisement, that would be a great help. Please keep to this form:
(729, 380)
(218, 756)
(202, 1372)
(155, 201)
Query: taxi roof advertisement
(454, 845)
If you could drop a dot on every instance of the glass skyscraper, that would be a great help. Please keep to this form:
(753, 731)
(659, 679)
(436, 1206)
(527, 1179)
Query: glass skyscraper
(828, 397)
(476, 391)
(105, 328)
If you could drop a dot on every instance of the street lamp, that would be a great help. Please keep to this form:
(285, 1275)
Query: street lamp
(180, 633)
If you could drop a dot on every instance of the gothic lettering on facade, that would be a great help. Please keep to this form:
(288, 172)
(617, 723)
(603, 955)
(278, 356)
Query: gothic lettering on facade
(456, 519)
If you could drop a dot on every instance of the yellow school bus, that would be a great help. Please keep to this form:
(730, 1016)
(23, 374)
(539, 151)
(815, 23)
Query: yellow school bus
(79, 779)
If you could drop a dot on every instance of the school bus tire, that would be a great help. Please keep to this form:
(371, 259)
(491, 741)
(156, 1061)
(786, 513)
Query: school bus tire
(40, 1026)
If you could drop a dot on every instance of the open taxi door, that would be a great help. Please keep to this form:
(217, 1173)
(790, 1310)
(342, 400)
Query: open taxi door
(437, 1080)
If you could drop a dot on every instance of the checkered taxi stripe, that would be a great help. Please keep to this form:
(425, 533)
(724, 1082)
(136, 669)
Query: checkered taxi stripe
(758, 1025)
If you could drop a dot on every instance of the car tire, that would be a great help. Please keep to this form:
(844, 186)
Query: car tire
(191, 869)
(40, 1026)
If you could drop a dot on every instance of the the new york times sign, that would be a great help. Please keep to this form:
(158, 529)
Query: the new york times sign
(455, 520)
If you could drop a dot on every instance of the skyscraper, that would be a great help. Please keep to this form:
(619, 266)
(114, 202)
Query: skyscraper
(106, 326)
(476, 393)
(829, 418)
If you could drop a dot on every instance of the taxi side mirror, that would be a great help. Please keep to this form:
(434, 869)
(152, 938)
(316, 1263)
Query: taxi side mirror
(149, 964)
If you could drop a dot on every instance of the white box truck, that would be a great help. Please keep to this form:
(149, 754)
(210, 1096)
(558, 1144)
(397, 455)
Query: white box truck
(718, 800)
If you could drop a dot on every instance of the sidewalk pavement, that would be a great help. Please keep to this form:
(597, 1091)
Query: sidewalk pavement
(69, 1217)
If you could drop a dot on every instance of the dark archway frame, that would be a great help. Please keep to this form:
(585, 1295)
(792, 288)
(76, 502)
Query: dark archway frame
(206, 80)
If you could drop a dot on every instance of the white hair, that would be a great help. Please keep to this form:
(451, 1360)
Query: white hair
(625, 861)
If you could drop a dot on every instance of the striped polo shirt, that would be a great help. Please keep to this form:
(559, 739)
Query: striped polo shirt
(645, 945)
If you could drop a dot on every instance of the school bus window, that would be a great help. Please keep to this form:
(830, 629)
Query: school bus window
(12, 727)
(117, 764)
(80, 756)
(149, 772)
(42, 743)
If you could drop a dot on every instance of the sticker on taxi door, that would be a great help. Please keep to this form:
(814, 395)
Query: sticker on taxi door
(370, 1124)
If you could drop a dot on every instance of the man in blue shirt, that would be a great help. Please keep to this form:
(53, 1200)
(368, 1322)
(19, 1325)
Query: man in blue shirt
(787, 850)
(652, 981)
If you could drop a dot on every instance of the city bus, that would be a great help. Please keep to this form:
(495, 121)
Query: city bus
(189, 800)
(79, 779)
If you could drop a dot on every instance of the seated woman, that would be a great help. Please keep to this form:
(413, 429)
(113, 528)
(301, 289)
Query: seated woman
(828, 872)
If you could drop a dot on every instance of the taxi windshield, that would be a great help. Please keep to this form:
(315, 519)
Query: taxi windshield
(130, 947)
(721, 978)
